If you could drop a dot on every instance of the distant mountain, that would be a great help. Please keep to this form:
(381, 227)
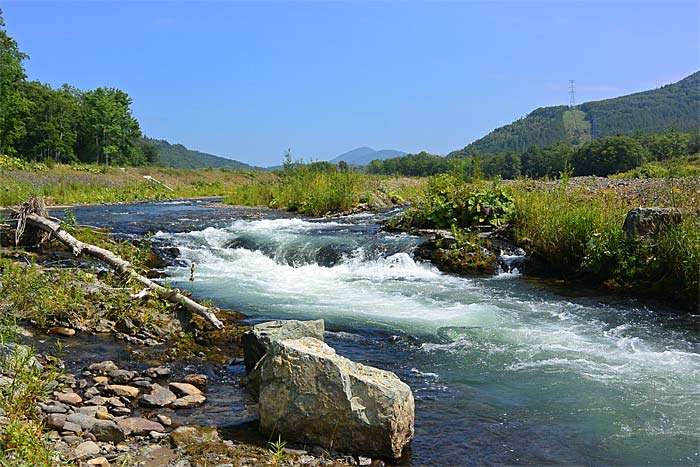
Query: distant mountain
(672, 107)
(178, 156)
(365, 155)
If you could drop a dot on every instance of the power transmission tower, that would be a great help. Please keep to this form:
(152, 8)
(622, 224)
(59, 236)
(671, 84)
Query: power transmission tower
(572, 93)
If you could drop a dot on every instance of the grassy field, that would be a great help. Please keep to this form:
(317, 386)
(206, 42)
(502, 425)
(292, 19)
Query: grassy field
(89, 184)
(577, 127)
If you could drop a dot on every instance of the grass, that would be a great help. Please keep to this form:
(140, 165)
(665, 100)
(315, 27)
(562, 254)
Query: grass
(576, 233)
(306, 190)
(26, 383)
(89, 184)
(577, 127)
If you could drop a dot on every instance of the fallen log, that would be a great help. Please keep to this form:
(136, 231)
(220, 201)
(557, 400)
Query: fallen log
(119, 264)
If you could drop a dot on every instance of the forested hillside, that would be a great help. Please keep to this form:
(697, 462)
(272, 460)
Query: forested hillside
(672, 107)
(178, 156)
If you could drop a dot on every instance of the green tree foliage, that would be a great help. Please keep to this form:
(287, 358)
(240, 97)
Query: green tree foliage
(107, 130)
(51, 123)
(672, 107)
(411, 165)
(609, 156)
(63, 125)
(13, 106)
(548, 161)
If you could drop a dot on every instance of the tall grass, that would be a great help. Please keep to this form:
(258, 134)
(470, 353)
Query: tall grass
(572, 232)
(305, 189)
(24, 384)
(83, 184)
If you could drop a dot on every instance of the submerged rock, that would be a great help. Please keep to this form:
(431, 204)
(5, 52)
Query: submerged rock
(311, 395)
(257, 341)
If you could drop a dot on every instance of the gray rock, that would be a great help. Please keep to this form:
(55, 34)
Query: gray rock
(121, 376)
(103, 368)
(74, 427)
(86, 449)
(139, 426)
(53, 407)
(55, 421)
(85, 421)
(188, 401)
(159, 397)
(105, 430)
(313, 396)
(97, 400)
(257, 341)
(72, 440)
(642, 222)
(158, 372)
(119, 411)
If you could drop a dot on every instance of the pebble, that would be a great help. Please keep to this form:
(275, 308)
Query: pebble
(164, 419)
(188, 401)
(121, 376)
(185, 389)
(103, 367)
(62, 331)
(201, 381)
(54, 407)
(139, 426)
(159, 397)
(100, 379)
(158, 372)
(69, 398)
(99, 462)
(86, 449)
(124, 391)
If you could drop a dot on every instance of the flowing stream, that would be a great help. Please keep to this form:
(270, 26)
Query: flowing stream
(504, 369)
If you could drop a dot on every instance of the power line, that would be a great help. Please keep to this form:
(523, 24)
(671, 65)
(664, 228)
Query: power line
(572, 93)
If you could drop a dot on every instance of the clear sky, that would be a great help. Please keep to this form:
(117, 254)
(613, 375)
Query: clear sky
(249, 80)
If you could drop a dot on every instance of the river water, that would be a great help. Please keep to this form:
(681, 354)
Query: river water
(504, 369)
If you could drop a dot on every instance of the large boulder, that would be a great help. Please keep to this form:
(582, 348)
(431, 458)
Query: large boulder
(311, 395)
(257, 341)
(641, 222)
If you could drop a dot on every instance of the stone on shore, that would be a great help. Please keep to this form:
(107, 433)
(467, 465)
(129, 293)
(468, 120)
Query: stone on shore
(139, 426)
(641, 222)
(311, 395)
(159, 397)
(257, 341)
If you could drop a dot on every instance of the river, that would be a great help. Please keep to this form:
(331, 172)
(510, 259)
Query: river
(504, 369)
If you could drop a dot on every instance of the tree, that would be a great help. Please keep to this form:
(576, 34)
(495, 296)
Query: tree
(13, 106)
(107, 130)
(51, 123)
(608, 156)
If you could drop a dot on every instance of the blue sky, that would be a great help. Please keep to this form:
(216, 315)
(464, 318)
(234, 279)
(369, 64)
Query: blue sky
(249, 80)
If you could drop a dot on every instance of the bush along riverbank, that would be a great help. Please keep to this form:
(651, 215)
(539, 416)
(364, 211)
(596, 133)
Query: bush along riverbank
(321, 188)
(103, 413)
(570, 229)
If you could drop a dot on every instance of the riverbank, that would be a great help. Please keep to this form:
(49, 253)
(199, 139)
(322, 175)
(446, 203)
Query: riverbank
(100, 412)
(570, 229)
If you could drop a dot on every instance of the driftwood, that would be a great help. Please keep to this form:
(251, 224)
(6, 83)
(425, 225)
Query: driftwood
(120, 265)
